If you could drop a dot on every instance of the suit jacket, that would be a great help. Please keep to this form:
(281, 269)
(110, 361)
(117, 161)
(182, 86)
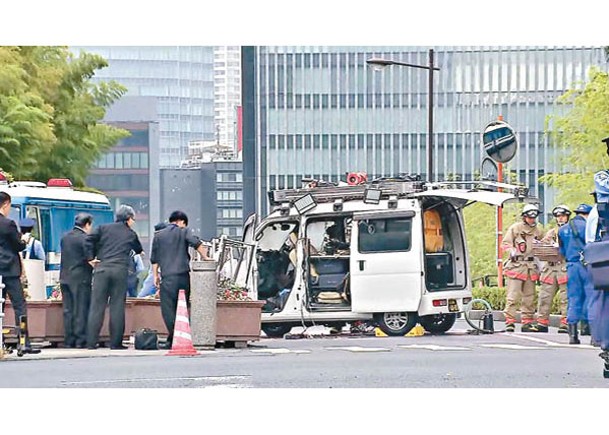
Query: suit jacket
(74, 266)
(112, 245)
(11, 246)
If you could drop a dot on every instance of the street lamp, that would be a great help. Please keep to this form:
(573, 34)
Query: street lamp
(380, 64)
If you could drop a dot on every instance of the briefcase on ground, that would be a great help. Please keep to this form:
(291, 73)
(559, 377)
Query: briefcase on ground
(596, 255)
(146, 339)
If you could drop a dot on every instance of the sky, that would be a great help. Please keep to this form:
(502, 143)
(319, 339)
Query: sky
(311, 22)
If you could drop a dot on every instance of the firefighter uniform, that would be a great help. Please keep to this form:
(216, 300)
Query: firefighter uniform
(522, 272)
(553, 279)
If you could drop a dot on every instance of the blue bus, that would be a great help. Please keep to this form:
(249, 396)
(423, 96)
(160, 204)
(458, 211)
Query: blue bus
(53, 206)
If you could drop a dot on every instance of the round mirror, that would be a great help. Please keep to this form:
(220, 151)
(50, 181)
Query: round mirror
(499, 141)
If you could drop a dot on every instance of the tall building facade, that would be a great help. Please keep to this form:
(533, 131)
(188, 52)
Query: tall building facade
(213, 211)
(227, 94)
(321, 111)
(129, 172)
(181, 78)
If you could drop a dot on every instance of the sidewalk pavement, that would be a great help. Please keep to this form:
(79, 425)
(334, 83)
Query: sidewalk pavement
(498, 316)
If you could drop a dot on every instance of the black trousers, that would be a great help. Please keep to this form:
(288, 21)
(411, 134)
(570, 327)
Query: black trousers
(170, 290)
(76, 303)
(109, 287)
(12, 287)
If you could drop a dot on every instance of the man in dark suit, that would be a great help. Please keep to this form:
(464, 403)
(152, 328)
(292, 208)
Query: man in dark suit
(11, 270)
(75, 279)
(170, 254)
(107, 248)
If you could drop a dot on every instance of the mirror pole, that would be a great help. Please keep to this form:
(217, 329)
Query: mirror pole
(430, 119)
(499, 230)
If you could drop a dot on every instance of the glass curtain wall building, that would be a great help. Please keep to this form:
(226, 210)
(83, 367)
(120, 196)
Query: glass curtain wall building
(182, 80)
(322, 112)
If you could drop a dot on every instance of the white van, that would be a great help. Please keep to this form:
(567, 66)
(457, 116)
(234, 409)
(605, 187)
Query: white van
(391, 251)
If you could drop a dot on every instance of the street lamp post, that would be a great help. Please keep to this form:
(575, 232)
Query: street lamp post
(380, 64)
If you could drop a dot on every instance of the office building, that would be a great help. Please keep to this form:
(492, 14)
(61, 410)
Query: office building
(321, 112)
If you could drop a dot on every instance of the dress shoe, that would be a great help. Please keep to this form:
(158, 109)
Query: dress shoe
(31, 350)
(119, 347)
(95, 346)
(81, 345)
(165, 345)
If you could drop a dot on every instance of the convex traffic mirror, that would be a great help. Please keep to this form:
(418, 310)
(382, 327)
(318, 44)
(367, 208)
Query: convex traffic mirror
(499, 141)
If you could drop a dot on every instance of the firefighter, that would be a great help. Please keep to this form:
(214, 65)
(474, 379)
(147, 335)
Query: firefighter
(571, 239)
(521, 269)
(553, 277)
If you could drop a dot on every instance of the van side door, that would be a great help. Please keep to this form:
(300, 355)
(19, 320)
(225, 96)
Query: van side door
(385, 264)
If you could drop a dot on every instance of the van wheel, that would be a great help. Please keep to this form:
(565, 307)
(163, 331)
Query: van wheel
(276, 330)
(396, 324)
(438, 323)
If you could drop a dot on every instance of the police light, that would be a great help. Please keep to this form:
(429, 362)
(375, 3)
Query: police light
(372, 196)
(59, 182)
(393, 202)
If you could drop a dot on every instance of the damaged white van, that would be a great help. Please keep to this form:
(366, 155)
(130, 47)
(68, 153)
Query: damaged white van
(391, 251)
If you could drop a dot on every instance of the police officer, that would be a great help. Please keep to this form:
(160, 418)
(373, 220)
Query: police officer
(107, 249)
(571, 239)
(75, 279)
(597, 229)
(170, 254)
(521, 269)
(553, 278)
(11, 269)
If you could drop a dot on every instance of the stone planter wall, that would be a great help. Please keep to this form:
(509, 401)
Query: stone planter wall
(237, 321)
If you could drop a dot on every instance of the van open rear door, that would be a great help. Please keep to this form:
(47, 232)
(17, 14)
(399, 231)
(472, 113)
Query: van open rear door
(479, 193)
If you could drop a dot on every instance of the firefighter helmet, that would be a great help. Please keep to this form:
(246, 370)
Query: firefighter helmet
(561, 209)
(530, 210)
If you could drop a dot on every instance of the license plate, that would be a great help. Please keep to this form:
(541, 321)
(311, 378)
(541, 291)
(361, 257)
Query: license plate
(453, 306)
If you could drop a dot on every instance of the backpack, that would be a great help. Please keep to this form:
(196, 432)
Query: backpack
(146, 339)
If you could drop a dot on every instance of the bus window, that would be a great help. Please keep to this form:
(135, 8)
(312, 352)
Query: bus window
(33, 213)
(15, 213)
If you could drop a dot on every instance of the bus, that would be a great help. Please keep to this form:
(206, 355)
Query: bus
(53, 206)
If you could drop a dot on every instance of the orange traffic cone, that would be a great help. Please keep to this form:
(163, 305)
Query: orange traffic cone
(182, 339)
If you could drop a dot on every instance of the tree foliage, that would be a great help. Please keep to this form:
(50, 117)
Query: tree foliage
(50, 113)
(576, 137)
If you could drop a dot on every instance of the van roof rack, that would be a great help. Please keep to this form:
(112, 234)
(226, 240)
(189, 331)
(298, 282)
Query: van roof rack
(401, 187)
(328, 193)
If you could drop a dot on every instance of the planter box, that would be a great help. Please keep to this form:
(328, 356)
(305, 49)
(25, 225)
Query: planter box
(238, 320)
(45, 321)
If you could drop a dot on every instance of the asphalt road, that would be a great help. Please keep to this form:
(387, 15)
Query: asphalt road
(454, 360)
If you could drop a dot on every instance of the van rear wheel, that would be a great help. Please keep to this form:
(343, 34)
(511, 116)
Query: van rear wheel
(396, 324)
(276, 330)
(438, 323)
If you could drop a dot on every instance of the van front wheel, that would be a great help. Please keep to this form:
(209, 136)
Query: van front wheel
(396, 324)
(276, 330)
(438, 323)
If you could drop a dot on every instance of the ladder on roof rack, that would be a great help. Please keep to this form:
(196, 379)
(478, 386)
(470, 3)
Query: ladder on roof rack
(346, 193)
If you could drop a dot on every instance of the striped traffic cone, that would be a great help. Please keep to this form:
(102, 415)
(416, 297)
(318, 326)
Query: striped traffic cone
(182, 339)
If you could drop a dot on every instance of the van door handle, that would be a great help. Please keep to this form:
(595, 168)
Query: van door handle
(361, 264)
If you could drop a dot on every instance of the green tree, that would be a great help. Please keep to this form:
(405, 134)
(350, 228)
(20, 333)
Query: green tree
(50, 113)
(576, 135)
